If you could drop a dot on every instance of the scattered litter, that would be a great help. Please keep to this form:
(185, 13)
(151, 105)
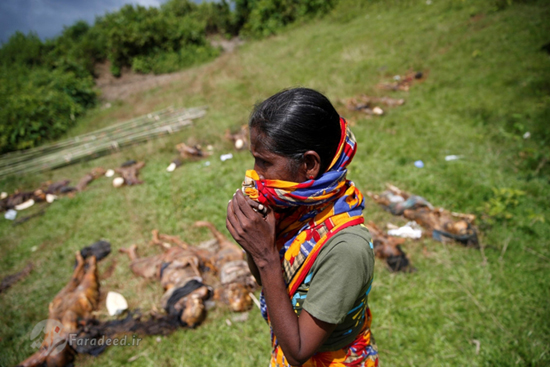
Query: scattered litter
(109, 173)
(10, 214)
(419, 164)
(159, 339)
(131, 359)
(187, 152)
(171, 167)
(428, 2)
(452, 157)
(207, 163)
(395, 199)
(209, 147)
(477, 343)
(27, 204)
(228, 322)
(404, 82)
(240, 317)
(527, 135)
(391, 226)
(3, 195)
(225, 157)
(50, 198)
(240, 138)
(116, 303)
(409, 230)
(377, 111)
(118, 182)
(34, 248)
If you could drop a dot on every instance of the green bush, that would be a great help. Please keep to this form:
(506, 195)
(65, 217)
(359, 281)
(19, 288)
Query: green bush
(40, 105)
(266, 17)
(44, 86)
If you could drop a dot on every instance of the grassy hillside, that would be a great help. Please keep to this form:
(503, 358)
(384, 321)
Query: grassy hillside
(487, 84)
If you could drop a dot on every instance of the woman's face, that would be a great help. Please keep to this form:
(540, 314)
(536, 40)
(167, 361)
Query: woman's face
(270, 165)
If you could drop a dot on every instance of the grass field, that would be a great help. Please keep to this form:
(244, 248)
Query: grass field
(488, 83)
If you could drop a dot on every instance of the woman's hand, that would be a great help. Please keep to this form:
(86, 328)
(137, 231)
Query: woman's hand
(252, 230)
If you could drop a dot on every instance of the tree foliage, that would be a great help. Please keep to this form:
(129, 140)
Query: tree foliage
(46, 85)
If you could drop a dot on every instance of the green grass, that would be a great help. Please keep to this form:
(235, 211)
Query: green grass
(488, 84)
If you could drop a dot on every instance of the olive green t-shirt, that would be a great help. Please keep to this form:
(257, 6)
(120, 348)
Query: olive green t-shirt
(336, 288)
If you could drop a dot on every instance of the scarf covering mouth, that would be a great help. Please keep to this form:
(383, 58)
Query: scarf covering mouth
(319, 208)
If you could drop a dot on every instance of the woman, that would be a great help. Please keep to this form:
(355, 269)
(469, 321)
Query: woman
(300, 215)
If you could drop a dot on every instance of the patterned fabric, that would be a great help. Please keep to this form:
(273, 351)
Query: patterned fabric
(321, 208)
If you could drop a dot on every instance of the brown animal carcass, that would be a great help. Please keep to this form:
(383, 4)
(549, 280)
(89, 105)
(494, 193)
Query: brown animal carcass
(236, 281)
(388, 248)
(178, 270)
(71, 308)
(439, 223)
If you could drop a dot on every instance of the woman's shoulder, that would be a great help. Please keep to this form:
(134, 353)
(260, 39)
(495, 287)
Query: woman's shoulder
(355, 237)
(350, 243)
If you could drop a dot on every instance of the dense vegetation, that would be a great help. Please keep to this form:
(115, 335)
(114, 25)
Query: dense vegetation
(45, 86)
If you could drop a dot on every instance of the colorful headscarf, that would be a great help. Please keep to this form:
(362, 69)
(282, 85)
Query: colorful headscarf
(321, 208)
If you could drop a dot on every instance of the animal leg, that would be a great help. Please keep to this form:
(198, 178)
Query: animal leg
(131, 252)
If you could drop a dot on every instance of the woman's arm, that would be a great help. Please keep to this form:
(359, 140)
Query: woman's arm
(299, 337)
(253, 269)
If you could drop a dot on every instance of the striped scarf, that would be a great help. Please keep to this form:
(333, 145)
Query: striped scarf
(321, 208)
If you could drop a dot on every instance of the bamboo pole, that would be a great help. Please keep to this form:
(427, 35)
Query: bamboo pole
(102, 141)
(136, 123)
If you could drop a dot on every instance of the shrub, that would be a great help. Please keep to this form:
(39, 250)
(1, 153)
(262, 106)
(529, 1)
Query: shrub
(40, 105)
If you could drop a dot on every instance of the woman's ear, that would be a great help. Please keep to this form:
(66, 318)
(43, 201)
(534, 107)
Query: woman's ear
(311, 164)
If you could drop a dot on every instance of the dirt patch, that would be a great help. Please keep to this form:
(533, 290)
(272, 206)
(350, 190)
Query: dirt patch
(130, 83)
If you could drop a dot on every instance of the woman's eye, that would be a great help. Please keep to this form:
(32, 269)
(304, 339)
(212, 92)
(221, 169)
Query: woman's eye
(260, 162)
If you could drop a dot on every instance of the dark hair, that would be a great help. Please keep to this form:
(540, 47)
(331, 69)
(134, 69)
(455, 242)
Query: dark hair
(296, 120)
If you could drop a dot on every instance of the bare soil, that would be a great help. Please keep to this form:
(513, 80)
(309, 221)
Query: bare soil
(130, 83)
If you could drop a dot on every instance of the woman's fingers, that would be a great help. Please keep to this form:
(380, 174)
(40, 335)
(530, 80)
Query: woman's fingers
(242, 208)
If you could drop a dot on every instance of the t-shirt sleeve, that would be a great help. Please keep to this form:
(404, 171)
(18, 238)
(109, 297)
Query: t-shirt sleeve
(339, 277)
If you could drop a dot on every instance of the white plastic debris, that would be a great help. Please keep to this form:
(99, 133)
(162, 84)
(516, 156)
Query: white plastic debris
(397, 77)
(239, 143)
(10, 214)
(395, 198)
(527, 135)
(3, 195)
(116, 303)
(171, 167)
(240, 317)
(50, 198)
(109, 173)
(118, 181)
(209, 147)
(225, 157)
(27, 204)
(409, 230)
(419, 164)
(377, 111)
(34, 248)
(452, 157)
(207, 163)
